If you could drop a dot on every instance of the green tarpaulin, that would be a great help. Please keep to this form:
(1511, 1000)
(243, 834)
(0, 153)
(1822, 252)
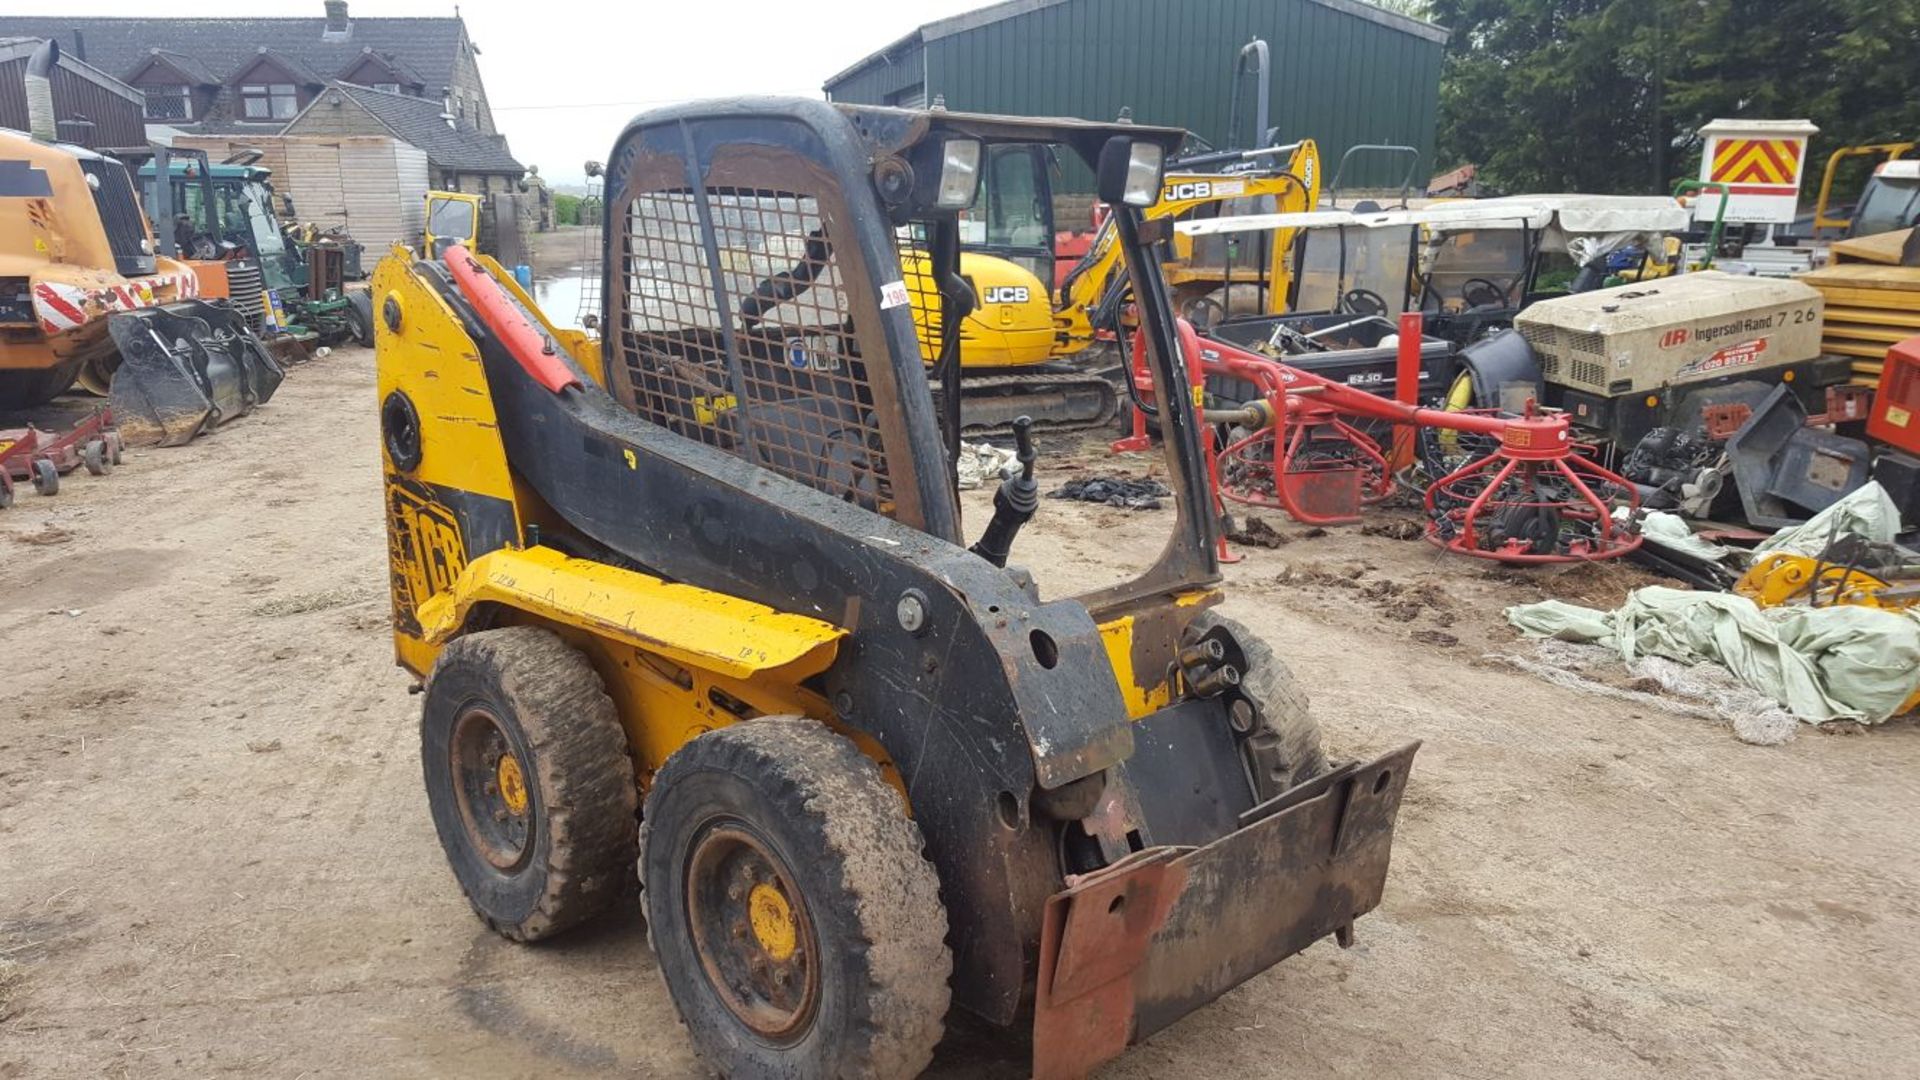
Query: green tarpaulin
(1844, 662)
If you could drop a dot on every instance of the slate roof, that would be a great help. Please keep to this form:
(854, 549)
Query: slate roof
(292, 66)
(15, 48)
(118, 46)
(190, 66)
(419, 121)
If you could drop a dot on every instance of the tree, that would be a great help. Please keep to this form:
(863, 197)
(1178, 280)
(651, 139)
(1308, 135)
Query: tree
(1607, 95)
(566, 209)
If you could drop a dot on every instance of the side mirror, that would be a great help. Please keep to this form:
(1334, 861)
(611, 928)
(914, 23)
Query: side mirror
(1129, 172)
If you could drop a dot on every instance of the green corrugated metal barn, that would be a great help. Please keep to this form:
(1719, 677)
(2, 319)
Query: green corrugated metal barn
(1344, 72)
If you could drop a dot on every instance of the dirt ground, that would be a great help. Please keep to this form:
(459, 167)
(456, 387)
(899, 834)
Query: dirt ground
(216, 859)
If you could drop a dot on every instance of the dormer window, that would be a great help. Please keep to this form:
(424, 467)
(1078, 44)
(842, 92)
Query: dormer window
(169, 103)
(388, 87)
(269, 101)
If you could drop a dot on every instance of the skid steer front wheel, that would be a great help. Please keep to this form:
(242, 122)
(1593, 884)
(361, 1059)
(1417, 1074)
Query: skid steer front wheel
(528, 779)
(798, 926)
(1285, 747)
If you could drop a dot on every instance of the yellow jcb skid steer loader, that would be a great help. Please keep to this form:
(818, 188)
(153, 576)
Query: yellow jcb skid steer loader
(697, 599)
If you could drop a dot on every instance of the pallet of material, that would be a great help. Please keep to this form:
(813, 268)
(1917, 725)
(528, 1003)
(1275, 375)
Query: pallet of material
(1887, 249)
(1872, 301)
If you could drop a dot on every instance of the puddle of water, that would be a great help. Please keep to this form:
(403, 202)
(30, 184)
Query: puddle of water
(559, 298)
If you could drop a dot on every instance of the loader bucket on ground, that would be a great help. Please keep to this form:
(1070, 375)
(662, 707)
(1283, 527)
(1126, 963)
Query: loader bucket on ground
(186, 368)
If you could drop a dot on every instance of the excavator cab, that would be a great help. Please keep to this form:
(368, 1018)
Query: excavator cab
(697, 595)
(1012, 214)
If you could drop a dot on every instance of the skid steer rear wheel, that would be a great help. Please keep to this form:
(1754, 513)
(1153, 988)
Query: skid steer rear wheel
(798, 926)
(529, 781)
(1285, 723)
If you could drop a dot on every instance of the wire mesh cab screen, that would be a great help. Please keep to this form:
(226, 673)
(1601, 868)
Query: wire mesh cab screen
(743, 318)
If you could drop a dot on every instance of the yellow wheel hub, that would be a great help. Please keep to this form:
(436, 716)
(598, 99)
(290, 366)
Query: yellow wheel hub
(513, 785)
(772, 919)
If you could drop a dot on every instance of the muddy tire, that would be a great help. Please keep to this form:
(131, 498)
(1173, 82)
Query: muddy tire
(23, 389)
(529, 781)
(1286, 723)
(798, 926)
(360, 318)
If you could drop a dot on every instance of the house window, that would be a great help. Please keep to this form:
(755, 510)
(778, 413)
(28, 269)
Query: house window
(389, 87)
(169, 102)
(269, 101)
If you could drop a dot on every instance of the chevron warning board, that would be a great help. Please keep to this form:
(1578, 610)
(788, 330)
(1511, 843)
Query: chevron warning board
(1760, 161)
(1758, 164)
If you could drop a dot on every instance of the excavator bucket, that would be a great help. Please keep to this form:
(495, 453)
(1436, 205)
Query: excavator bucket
(185, 369)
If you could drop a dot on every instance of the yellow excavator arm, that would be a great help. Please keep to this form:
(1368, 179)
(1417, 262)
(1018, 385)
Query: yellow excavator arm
(1197, 272)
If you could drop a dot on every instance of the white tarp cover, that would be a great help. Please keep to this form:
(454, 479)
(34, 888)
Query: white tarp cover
(1460, 215)
(1671, 531)
(1831, 663)
(1591, 227)
(1575, 214)
(1867, 510)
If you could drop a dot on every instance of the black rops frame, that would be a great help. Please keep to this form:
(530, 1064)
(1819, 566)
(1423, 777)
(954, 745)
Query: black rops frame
(990, 694)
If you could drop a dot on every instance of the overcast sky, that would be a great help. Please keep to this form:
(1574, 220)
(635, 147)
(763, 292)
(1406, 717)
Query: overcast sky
(564, 77)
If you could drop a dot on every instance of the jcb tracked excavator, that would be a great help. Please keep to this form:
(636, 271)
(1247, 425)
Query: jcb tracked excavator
(695, 596)
(1029, 349)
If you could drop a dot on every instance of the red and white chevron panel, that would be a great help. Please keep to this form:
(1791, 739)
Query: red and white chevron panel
(62, 307)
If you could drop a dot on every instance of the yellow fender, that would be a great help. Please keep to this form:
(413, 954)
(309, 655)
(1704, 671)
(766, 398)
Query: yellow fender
(688, 625)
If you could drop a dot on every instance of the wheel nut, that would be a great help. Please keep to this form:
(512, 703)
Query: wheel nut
(735, 892)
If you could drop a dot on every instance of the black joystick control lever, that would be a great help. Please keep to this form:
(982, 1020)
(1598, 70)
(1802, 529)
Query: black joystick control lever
(1015, 503)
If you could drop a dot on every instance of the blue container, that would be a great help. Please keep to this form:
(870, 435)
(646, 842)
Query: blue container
(523, 274)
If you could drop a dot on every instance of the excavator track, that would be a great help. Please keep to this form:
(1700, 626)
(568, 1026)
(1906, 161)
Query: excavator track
(1055, 400)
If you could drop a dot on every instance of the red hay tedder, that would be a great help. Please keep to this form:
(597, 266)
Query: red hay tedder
(1515, 488)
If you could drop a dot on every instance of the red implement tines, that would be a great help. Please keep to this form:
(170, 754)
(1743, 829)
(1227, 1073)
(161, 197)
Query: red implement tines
(503, 318)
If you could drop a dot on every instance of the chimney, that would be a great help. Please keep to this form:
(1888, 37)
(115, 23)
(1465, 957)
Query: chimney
(79, 44)
(339, 27)
(39, 79)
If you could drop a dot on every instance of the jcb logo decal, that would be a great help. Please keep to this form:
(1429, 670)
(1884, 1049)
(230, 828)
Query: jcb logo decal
(1007, 294)
(1676, 336)
(427, 551)
(1189, 189)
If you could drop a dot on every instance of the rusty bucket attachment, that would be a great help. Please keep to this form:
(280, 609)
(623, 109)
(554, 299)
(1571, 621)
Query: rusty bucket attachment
(186, 368)
(1127, 950)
